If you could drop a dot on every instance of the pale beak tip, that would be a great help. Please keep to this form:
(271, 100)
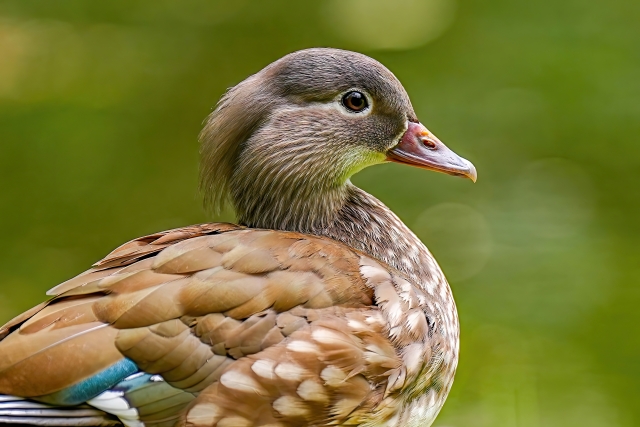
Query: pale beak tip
(472, 174)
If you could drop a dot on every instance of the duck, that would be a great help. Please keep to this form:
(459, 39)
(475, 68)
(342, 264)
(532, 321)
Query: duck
(319, 307)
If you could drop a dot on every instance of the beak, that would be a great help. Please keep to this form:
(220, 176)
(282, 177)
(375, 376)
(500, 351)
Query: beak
(419, 147)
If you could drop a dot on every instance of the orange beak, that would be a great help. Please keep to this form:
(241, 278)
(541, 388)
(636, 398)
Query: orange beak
(419, 147)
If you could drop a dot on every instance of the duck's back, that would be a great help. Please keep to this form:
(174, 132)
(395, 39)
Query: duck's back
(217, 324)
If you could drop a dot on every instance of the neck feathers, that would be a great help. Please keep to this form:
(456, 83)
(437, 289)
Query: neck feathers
(351, 216)
(366, 224)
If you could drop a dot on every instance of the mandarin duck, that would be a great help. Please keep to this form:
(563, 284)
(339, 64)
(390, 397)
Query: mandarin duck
(319, 308)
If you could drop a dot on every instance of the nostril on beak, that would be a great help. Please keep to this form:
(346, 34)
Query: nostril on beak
(428, 142)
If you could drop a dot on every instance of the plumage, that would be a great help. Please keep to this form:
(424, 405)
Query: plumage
(321, 308)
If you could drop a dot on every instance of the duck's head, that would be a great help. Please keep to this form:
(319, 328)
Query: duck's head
(282, 145)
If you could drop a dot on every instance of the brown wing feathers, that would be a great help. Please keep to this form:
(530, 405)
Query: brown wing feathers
(265, 326)
(331, 372)
(187, 311)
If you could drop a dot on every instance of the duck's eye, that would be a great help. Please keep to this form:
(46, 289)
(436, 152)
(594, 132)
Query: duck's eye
(355, 101)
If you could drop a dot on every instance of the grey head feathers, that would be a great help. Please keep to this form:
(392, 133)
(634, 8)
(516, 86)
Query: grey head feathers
(281, 146)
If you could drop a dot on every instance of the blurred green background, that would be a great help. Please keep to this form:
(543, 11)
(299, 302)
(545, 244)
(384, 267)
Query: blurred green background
(101, 104)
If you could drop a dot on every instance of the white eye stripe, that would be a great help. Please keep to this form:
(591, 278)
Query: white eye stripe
(333, 105)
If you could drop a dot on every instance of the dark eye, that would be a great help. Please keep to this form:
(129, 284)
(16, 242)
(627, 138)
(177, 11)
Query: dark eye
(355, 101)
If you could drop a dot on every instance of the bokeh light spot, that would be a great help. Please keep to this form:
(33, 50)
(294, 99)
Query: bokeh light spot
(386, 25)
(459, 237)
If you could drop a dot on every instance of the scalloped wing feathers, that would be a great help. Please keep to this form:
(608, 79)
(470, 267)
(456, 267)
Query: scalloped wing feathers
(262, 326)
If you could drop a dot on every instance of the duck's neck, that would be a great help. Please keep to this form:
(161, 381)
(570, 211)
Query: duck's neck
(366, 224)
(356, 218)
